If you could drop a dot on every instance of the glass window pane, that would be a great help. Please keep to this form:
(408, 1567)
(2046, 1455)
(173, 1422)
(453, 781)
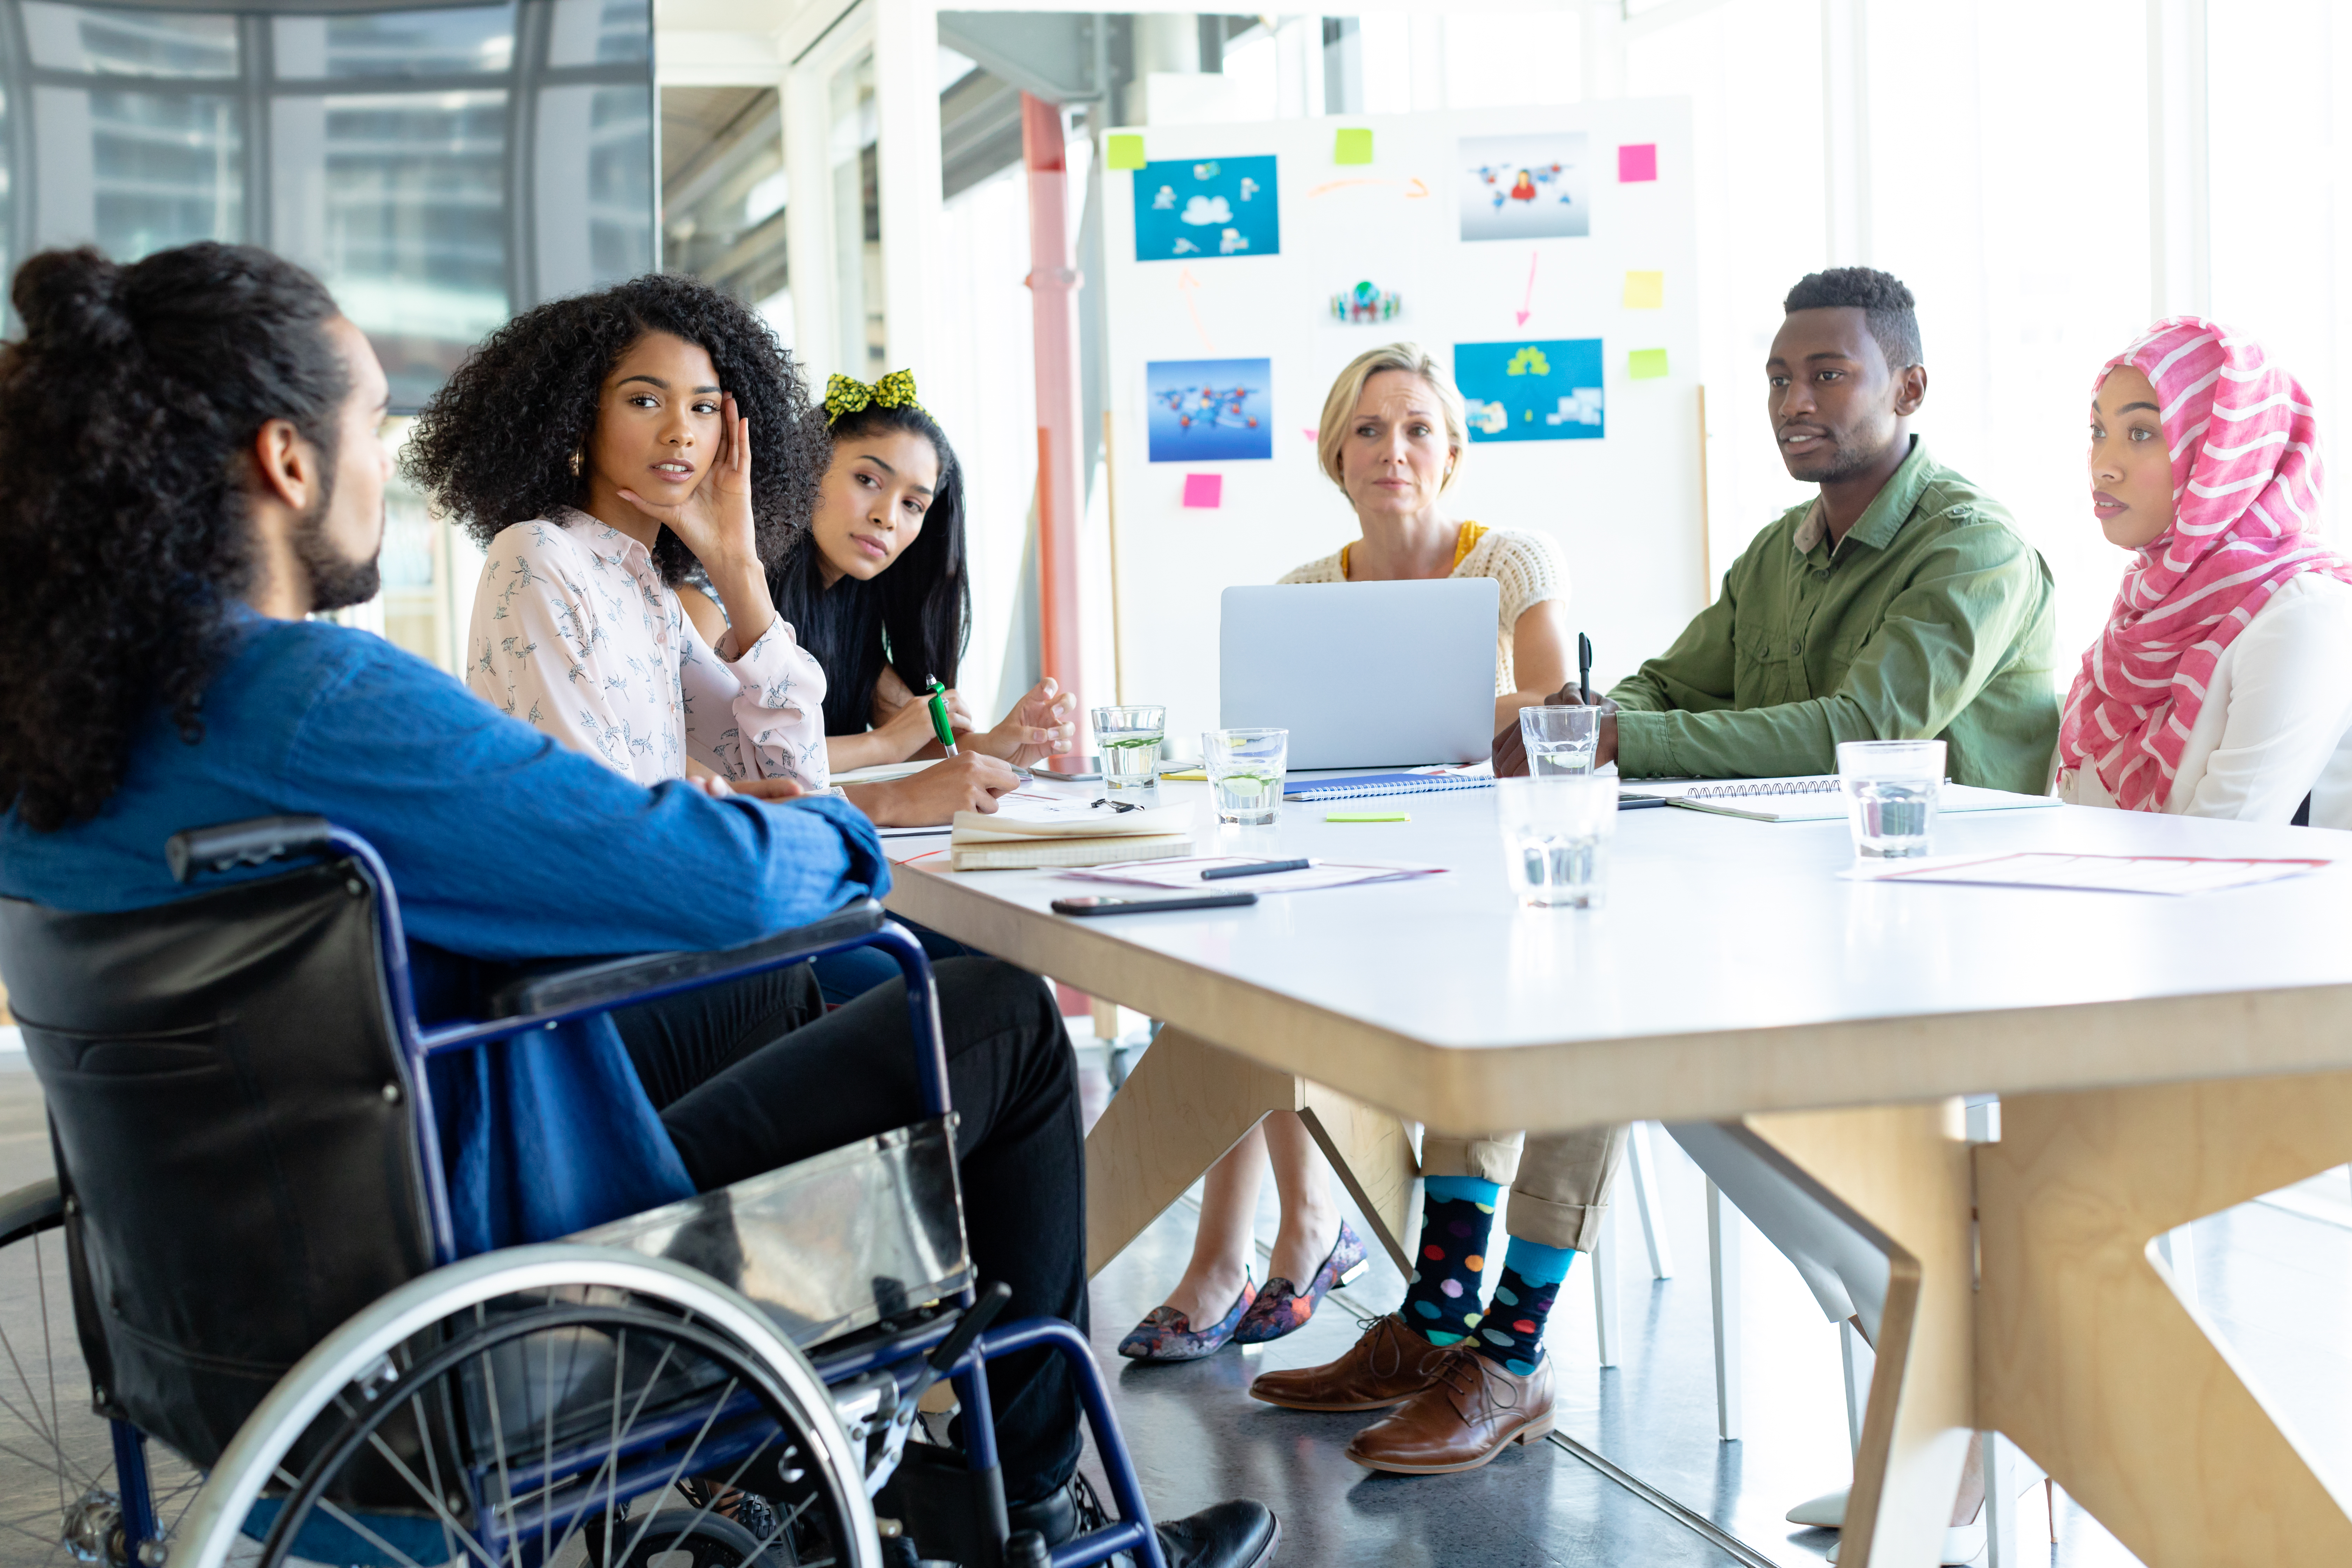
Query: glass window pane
(395, 43)
(398, 202)
(136, 172)
(599, 32)
(594, 215)
(130, 43)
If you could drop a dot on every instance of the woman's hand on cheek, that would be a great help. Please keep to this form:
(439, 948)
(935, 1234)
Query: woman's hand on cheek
(715, 523)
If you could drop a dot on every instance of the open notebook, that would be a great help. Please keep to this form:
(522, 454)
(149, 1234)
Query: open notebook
(1815, 799)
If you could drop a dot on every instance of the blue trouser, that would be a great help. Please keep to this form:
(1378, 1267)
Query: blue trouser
(845, 976)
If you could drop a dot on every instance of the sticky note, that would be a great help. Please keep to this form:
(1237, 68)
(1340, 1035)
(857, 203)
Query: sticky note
(1209, 489)
(1645, 365)
(1352, 146)
(1645, 290)
(1636, 162)
(1124, 152)
(1368, 817)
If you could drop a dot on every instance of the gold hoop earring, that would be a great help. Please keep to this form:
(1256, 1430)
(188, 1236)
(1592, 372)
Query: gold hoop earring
(575, 462)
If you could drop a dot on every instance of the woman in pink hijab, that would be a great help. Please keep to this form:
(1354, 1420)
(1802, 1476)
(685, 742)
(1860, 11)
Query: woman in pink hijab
(2223, 684)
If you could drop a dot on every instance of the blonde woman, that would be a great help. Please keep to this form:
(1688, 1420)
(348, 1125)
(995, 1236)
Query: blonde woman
(1394, 438)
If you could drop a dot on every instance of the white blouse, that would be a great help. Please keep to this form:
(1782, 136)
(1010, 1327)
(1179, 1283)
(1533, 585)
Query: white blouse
(1526, 565)
(2276, 723)
(575, 633)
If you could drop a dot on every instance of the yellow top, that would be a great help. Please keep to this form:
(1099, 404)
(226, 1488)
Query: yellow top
(1463, 543)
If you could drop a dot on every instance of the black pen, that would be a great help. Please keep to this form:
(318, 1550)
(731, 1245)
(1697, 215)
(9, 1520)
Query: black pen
(1584, 665)
(1218, 873)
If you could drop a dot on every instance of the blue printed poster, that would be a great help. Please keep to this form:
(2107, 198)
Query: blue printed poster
(1521, 391)
(1219, 207)
(1209, 410)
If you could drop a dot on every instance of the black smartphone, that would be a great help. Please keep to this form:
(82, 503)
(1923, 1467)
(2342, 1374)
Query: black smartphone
(1123, 906)
(1069, 770)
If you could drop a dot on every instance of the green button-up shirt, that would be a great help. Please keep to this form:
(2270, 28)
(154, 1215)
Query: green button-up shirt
(1932, 620)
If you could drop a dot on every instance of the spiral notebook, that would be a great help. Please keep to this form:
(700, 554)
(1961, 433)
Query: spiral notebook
(1815, 799)
(1360, 786)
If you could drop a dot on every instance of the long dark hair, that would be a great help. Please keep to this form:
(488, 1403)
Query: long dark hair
(916, 617)
(495, 446)
(126, 413)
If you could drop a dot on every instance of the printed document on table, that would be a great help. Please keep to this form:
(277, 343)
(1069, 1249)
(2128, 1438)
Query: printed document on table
(1186, 874)
(2173, 873)
(1034, 814)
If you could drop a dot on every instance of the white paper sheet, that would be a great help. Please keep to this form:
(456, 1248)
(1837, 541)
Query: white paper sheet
(2172, 874)
(1186, 874)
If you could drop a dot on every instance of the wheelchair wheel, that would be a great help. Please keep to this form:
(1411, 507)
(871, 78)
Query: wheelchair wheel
(62, 1499)
(554, 1406)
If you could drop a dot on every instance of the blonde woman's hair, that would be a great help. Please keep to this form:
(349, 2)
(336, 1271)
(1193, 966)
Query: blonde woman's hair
(1414, 360)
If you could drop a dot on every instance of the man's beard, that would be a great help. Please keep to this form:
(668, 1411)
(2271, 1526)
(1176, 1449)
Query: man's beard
(1847, 454)
(336, 580)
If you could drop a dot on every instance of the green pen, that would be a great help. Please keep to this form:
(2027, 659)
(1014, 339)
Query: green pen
(939, 716)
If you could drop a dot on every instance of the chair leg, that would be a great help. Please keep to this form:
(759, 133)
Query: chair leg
(1723, 1276)
(2003, 1548)
(1855, 1360)
(1640, 1157)
(1605, 1324)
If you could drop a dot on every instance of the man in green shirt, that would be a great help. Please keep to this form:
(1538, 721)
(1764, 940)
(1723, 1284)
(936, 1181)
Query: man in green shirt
(1899, 604)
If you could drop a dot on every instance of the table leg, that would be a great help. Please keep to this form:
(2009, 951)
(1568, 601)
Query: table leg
(2095, 1364)
(1188, 1101)
(1900, 1175)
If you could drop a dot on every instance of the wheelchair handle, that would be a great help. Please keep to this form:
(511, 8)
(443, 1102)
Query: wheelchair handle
(255, 841)
(975, 1320)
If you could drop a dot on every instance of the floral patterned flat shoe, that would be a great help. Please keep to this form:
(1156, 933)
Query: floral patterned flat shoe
(1167, 1334)
(1280, 1309)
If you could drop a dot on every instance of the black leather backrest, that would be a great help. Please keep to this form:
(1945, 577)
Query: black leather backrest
(233, 1124)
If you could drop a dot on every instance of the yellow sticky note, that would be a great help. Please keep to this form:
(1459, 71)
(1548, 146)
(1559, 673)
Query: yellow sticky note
(1352, 146)
(1645, 365)
(1124, 152)
(1645, 290)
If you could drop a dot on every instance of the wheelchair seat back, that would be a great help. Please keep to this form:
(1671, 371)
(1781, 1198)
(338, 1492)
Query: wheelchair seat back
(233, 1129)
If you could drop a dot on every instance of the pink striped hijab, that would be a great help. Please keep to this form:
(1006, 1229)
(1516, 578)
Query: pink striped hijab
(2245, 487)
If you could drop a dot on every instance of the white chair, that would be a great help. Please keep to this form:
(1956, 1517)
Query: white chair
(1642, 1171)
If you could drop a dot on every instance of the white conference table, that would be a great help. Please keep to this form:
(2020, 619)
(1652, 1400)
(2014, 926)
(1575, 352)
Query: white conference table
(2158, 1058)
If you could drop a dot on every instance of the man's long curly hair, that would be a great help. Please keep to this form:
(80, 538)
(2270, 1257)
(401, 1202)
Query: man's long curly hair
(495, 446)
(127, 413)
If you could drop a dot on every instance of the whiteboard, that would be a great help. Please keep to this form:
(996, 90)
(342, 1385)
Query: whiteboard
(1625, 501)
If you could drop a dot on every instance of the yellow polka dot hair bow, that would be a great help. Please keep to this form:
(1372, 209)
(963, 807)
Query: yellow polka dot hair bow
(847, 395)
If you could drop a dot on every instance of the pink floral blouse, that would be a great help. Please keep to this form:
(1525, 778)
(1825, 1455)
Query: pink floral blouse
(575, 633)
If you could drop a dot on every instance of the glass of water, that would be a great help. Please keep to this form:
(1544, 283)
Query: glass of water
(1891, 788)
(1560, 740)
(1129, 739)
(1556, 832)
(1245, 771)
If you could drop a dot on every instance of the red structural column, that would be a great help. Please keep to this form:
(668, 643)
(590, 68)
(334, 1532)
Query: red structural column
(1061, 480)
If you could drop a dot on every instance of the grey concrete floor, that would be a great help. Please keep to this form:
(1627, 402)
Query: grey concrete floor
(2274, 1279)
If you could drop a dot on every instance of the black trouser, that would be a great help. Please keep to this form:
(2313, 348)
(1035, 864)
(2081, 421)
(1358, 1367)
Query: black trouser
(756, 1074)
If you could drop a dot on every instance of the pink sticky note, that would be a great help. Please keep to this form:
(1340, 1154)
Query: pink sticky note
(1637, 161)
(1204, 490)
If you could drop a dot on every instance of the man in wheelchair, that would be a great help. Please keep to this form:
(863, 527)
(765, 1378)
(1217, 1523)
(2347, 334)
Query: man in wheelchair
(194, 470)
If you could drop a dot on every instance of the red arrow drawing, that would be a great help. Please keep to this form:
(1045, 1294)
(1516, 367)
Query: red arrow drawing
(1192, 288)
(1527, 306)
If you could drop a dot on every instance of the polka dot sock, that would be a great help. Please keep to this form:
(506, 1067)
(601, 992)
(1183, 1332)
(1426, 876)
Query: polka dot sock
(1440, 1299)
(1512, 1331)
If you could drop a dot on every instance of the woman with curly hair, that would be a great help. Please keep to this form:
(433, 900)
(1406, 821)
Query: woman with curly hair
(878, 590)
(601, 448)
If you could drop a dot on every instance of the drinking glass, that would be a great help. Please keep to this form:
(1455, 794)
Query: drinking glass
(1891, 788)
(1129, 739)
(1245, 771)
(1560, 741)
(1556, 832)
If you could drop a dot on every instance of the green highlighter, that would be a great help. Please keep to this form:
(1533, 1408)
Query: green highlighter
(1367, 817)
(939, 716)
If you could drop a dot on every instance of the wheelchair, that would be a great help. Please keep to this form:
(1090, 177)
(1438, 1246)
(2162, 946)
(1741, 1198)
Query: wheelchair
(286, 1362)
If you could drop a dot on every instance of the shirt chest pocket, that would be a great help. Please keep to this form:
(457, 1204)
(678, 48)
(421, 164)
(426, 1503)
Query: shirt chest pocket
(1768, 664)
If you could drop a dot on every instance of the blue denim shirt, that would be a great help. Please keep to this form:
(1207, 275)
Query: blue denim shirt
(504, 847)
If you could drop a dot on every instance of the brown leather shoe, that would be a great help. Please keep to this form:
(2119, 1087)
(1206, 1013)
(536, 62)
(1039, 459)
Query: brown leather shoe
(1390, 1364)
(1471, 1411)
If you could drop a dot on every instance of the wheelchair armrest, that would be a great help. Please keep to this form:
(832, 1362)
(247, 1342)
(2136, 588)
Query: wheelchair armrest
(615, 981)
(255, 841)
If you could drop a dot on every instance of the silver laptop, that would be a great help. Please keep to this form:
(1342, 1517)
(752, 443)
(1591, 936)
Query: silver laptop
(1364, 675)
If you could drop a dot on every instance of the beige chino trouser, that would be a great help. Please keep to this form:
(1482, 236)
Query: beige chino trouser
(1560, 1182)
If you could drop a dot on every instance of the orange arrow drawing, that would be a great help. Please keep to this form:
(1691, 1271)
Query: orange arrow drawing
(1192, 288)
(1413, 189)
